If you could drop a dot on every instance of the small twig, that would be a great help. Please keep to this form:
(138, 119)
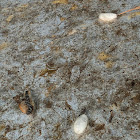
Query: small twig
(130, 10)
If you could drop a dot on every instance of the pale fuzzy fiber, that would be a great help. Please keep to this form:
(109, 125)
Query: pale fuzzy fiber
(80, 124)
(107, 17)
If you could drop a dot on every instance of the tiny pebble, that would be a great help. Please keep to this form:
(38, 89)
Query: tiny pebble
(80, 124)
(107, 17)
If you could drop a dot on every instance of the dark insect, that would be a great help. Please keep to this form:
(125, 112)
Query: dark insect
(26, 104)
(111, 116)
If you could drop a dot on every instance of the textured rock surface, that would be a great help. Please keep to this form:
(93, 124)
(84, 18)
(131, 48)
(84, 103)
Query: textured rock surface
(73, 64)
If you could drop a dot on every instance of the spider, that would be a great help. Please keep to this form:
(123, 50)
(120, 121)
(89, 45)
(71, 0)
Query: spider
(26, 104)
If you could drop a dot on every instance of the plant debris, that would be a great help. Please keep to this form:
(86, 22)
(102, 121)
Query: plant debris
(60, 2)
(110, 17)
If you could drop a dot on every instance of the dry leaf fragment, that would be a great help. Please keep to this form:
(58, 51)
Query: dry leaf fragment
(2, 127)
(5, 10)
(99, 127)
(62, 19)
(60, 2)
(9, 18)
(114, 107)
(109, 64)
(48, 104)
(49, 90)
(132, 15)
(103, 56)
(3, 45)
(136, 99)
(53, 36)
(24, 5)
(49, 71)
(73, 7)
(21, 7)
(72, 32)
(43, 72)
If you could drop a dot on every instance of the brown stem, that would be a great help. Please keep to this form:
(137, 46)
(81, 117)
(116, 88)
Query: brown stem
(130, 10)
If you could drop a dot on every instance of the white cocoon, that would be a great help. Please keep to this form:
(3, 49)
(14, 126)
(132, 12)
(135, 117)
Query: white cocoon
(107, 17)
(80, 124)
